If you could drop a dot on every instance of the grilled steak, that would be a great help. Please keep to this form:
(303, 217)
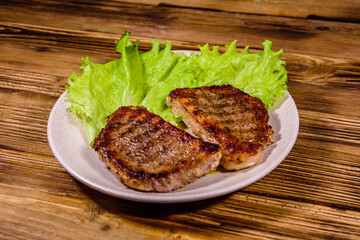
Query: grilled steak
(149, 154)
(227, 116)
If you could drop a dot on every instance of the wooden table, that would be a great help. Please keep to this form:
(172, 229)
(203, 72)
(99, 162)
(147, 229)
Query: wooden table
(313, 194)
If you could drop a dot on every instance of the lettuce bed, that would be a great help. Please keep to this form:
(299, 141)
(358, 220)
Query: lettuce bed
(145, 79)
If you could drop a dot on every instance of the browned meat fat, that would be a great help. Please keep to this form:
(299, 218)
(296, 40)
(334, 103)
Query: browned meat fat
(149, 154)
(227, 116)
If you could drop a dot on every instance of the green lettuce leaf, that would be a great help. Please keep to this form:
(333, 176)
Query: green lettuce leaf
(261, 75)
(158, 63)
(103, 88)
(182, 75)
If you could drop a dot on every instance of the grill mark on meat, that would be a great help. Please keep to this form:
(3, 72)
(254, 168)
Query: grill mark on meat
(227, 114)
(149, 154)
(229, 117)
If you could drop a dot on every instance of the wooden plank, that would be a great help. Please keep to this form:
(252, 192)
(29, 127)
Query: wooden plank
(37, 215)
(321, 38)
(307, 70)
(237, 215)
(23, 119)
(347, 10)
(35, 82)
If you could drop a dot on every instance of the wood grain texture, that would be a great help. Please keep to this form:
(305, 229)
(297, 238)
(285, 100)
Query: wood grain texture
(110, 20)
(313, 194)
(339, 10)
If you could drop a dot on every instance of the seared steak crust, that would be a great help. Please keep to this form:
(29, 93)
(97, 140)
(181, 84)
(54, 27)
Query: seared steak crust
(227, 116)
(149, 154)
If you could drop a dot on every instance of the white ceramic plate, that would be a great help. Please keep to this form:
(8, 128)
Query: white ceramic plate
(67, 140)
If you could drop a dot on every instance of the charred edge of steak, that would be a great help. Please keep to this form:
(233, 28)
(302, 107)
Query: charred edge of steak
(183, 93)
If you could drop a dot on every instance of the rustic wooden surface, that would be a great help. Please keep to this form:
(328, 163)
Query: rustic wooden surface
(313, 194)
